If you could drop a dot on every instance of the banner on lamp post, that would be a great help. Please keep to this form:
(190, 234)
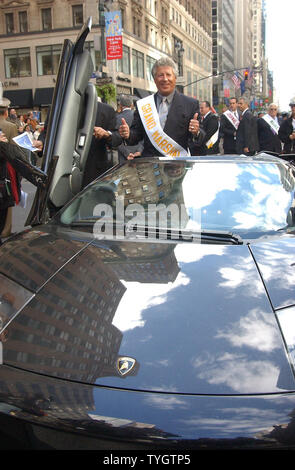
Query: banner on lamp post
(113, 32)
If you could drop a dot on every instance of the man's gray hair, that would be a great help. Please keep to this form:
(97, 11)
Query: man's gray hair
(125, 100)
(164, 62)
(245, 100)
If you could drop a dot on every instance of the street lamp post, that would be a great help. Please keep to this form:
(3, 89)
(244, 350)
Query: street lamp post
(179, 51)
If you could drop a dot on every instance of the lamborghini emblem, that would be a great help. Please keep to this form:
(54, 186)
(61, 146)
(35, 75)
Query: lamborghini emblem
(125, 365)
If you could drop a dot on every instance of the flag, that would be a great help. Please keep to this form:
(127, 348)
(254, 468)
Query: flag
(243, 86)
(226, 90)
(236, 80)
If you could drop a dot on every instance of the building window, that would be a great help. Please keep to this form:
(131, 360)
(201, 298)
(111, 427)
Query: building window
(77, 15)
(9, 21)
(17, 62)
(48, 59)
(23, 21)
(136, 26)
(149, 65)
(123, 65)
(46, 19)
(137, 64)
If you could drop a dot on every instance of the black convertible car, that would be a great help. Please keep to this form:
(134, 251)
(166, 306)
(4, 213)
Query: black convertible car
(156, 309)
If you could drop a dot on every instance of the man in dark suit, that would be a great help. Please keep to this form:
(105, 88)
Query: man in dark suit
(180, 120)
(98, 160)
(247, 136)
(268, 126)
(209, 125)
(126, 112)
(287, 131)
(229, 123)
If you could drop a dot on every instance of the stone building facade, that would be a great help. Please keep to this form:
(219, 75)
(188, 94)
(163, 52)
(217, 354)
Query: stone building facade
(32, 34)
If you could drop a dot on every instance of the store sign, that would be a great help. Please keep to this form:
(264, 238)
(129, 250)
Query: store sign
(9, 83)
(104, 81)
(113, 31)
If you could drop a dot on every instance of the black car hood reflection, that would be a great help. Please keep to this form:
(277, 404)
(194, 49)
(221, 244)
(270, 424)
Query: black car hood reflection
(190, 318)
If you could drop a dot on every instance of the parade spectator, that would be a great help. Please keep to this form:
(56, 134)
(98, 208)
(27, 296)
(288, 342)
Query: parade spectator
(9, 196)
(13, 117)
(21, 123)
(32, 120)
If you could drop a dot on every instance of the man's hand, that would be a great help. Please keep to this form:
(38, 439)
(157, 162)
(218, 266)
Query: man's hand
(124, 130)
(100, 133)
(194, 125)
(131, 156)
(38, 144)
(3, 137)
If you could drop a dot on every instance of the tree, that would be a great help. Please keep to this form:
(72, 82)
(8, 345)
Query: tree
(107, 92)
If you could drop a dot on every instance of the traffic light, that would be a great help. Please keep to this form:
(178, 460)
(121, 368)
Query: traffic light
(246, 74)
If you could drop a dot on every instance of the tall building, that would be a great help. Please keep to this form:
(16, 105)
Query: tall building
(262, 89)
(223, 49)
(32, 34)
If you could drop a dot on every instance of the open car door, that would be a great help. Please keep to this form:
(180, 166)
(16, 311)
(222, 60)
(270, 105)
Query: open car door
(69, 130)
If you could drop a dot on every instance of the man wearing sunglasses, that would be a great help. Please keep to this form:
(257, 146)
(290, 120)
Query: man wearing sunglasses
(268, 127)
(287, 130)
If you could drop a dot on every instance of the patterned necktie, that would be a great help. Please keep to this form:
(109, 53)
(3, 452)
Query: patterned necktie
(163, 111)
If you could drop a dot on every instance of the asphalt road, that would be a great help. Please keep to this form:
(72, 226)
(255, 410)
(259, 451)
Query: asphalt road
(19, 214)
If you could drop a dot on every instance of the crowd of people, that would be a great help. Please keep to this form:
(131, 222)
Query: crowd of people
(195, 128)
(25, 123)
(162, 124)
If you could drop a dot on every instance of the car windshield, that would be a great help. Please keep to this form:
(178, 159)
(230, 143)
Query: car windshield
(249, 198)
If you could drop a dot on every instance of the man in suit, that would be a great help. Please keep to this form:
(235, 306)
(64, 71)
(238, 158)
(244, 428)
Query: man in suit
(176, 114)
(287, 130)
(209, 125)
(126, 111)
(247, 137)
(268, 127)
(9, 130)
(229, 123)
(98, 160)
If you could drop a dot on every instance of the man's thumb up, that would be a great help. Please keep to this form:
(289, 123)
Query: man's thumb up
(124, 129)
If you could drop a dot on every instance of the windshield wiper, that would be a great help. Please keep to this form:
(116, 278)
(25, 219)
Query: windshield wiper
(135, 231)
(202, 236)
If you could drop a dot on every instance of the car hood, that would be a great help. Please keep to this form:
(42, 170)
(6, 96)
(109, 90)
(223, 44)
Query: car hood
(175, 318)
